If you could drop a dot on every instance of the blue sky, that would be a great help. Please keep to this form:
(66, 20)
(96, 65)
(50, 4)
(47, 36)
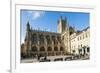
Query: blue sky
(47, 20)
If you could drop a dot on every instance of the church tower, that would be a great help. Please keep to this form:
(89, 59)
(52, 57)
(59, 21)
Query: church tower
(27, 27)
(27, 38)
(64, 27)
(61, 24)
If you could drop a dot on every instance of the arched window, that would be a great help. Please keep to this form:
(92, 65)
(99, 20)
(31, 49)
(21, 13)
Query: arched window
(61, 49)
(55, 48)
(49, 49)
(34, 49)
(42, 49)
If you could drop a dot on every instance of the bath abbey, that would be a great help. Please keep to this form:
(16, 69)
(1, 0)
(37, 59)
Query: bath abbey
(66, 42)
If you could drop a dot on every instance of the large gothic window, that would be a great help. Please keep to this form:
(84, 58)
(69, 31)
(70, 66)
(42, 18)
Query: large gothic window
(42, 49)
(55, 48)
(34, 49)
(49, 49)
(61, 49)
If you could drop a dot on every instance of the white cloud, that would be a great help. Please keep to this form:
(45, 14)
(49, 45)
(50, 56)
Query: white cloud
(36, 14)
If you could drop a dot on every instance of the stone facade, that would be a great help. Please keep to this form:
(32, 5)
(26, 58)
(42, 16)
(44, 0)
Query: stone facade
(80, 42)
(44, 43)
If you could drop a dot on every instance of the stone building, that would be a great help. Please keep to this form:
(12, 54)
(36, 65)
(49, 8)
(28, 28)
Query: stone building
(44, 43)
(80, 42)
